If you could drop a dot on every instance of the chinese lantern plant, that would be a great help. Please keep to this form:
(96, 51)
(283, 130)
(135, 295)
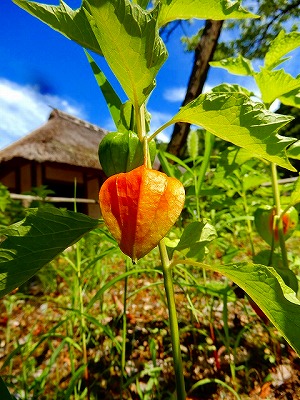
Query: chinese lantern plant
(138, 204)
(140, 207)
(267, 226)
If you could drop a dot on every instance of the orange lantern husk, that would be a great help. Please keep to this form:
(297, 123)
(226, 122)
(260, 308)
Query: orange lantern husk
(140, 207)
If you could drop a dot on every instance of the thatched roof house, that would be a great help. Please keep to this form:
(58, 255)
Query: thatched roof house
(63, 150)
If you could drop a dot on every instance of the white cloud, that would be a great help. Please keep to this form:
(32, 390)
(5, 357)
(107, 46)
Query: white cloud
(157, 120)
(24, 108)
(175, 94)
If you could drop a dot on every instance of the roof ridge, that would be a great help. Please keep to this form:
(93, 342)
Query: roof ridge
(73, 119)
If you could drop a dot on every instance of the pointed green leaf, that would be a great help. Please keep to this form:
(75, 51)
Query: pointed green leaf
(167, 167)
(129, 39)
(237, 119)
(35, 241)
(5, 395)
(171, 10)
(71, 23)
(280, 46)
(195, 238)
(291, 98)
(294, 150)
(295, 196)
(127, 117)
(269, 292)
(274, 84)
(112, 99)
(231, 88)
(142, 3)
(237, 66)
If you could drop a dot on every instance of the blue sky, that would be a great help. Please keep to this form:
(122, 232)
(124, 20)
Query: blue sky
(40, 69)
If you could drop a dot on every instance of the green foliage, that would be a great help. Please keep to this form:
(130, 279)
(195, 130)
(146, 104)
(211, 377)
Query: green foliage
(279, 47)
(112, 99)
(180, 9)
(66, 21)
(267, 289)
(35, 241)
(5, 395)
(235, 65)
(235, 118)
(194, 240)
(274, 84)
(121, 31)
(10, 210)
(127, 36)
(255, 38)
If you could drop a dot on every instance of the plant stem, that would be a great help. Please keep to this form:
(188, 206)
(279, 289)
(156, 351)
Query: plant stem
(169, 288)
(208, 146)
(278, 217)
(82, 319)
(227, 338)
(164, 126)
(249, 224)
(124, 331)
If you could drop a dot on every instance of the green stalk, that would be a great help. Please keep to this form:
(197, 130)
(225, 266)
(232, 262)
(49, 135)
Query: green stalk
(227, 338)
(124, 330)
(163, 127)
(208, 146)
(249, 224)
(82, 320)
(81, 306)
(278, 216)
(173, 321)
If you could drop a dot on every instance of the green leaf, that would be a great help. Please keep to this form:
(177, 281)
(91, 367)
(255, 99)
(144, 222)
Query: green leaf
(237, 119)
(294, 150)
(129, 39)
(126, 117)
(295, 196)
(267, 289)
(123, 32)
(195, 238)
(32, 243)
(113, 101)
(166, 166)
(5, 395)
(71, 23)
(231, 88)
(237, 66)
(274, 84)
(280, 46)
(171, 10)
(291, 98)
(142, 3)
(288, 276)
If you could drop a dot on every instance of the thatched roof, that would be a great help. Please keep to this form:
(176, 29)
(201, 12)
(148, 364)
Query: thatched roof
(64, 139)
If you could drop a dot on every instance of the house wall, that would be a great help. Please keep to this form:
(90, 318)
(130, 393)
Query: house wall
(20, 176)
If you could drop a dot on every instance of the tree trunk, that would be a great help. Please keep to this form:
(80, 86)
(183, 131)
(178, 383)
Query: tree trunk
(203, 54)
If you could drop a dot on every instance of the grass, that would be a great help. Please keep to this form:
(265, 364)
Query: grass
(64, 334)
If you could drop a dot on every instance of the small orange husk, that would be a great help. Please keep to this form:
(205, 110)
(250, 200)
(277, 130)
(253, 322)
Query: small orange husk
(140, 207)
